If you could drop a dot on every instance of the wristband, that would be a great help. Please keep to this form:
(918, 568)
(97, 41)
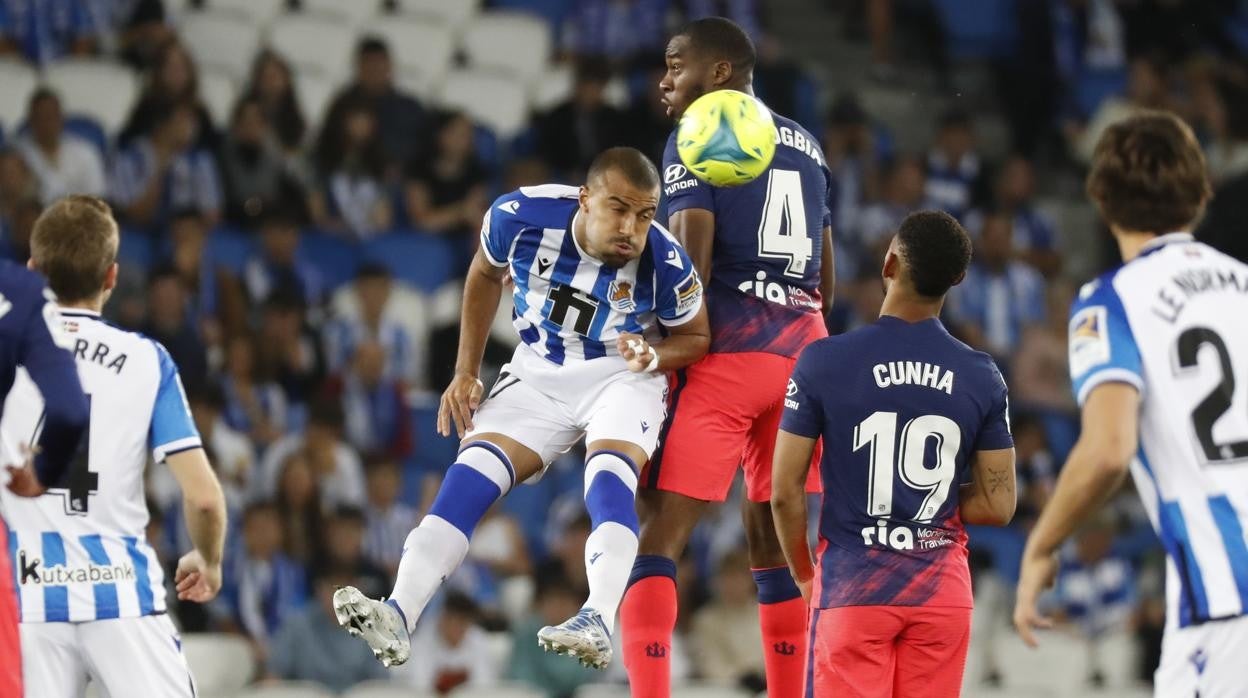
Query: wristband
(654, 362)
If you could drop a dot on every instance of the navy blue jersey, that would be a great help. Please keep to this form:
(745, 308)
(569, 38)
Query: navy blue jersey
(765, 269)
(30, 328)
(901, 408)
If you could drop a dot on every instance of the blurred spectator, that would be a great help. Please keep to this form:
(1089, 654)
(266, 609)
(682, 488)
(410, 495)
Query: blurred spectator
(852, 158)
(279, 265)
(1223, 224)
(920, 18)
(254, 404)
(298, 503)
(172, 81)
(1000, 296)
(342, 546)
(726, 636)
(16, 229)
(745, 13)
(531, 171)
(18, 187)
(1226, 105)
(555, 602)
(352, 195)
(254, 169)
(498, 544)
(783, 85)
(273, 86)
(402, 124)
(621, 32)
(211, 294)
(571, 134)
(451, 650)
(446, 189)
(289, 350)
(952, 164)
(310, 646)
(387, 520)
(904, 187)
(45, 30)
(1037, 472)
(63, 162)
(1146, 89)
(375, 407)
(229, 451)
(134, 29)
(166, 171)
(262, 586)
(1040, 375)
(335, 466)
(376, 307)
(169, 323)
(1035, 236)
(646, 122)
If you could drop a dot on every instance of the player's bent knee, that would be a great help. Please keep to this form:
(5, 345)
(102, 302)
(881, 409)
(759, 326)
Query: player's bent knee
(489, 460)
(610, 488)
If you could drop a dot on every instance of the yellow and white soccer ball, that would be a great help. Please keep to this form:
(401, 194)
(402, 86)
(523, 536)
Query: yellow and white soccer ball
(726, 138)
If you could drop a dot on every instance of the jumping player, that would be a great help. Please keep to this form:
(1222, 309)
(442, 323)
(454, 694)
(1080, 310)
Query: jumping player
(597, 282)
(764, 251)
(31, 338)
(904, 411)
(90, 587)
(1157, 347)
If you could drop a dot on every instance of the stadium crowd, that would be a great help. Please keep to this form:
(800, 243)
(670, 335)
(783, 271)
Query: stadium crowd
(302, 269)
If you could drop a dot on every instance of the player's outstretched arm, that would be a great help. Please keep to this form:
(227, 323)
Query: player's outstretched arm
(789, 468)
(684, 344)
(1095, 468)
(482, 290)
(991, 496)
(695, 229)
(198, 577)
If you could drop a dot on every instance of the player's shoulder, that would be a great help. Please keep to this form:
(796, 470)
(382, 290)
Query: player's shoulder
(1100, 291)
(791, 134)
(20, 285)
(97, 330)
(542, 205)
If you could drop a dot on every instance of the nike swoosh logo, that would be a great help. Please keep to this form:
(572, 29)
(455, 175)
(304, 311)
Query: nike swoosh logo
(594, 558)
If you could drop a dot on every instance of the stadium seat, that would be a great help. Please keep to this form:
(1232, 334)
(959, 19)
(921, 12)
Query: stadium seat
(19, 82)
(314, 93)
(424, 261)
(135, 249)
(336, 258)
(502, 690)
(555, 12)
(259, 12)
(218, 91)
(355, 13)
(383, 689)
(553, 89)
(221, 663)
(286, 689)
(422, 49)
(495, 100)
(89, 130)
(223, 41)
(314, 43)
(229, 249)
(977, 29)
(102, 90)
(452, 14)
(514, 42)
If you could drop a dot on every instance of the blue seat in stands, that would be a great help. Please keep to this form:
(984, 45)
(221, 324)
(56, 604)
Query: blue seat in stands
(229, 248)
(336, 258)
(136, 249)
(89, 130)
(978, 28)
(421, 260)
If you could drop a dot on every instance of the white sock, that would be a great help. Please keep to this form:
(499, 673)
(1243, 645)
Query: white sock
(609, 554)
(433, 550)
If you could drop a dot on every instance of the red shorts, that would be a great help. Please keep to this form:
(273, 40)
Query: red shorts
(10, 648)
(885, 651)
(723, 413)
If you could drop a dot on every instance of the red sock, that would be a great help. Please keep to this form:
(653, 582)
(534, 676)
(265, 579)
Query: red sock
(782, 617)
(647, 619)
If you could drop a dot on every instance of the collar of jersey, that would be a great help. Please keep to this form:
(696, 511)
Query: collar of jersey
(78, 312)
(572, 232)
(1162, 240)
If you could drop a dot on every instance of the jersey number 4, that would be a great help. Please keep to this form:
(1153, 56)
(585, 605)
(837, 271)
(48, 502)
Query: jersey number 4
(782, 232)
(879, 432)
(1209, 410)
(80, 482)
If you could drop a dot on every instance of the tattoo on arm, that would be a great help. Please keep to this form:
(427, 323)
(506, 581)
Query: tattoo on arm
(997, 480)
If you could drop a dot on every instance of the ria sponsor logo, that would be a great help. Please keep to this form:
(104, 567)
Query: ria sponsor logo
(901, 537)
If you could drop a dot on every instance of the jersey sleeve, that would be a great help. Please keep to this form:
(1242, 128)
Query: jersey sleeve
(679, 289)
(803, 412)
(44, 353)
(681, 189)
(1102, 348)
(499, 228)
(173, 429)
(995, 434)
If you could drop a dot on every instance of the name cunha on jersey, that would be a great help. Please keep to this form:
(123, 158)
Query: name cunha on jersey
(913, 373)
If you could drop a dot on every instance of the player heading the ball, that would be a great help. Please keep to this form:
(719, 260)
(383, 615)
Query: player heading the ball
(594, 278)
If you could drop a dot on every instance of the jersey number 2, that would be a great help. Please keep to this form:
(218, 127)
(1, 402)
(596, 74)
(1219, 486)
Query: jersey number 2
(1209, 410)
(80, 482)
(782, 232)
(879, 432)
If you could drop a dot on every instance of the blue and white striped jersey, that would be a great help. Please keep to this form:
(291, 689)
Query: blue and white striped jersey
(570, 306)
(1172, 323)
(80, 551)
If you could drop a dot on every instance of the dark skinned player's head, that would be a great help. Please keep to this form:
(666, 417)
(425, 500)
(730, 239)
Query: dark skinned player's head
(706, 55)
(928, 256)
(618, 202)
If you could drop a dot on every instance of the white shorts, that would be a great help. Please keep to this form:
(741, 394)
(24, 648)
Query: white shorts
(548, 408)
(1206, 660)
(123, 657)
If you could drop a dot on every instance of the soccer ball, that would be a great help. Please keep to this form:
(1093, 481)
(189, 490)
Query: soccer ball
(726, 138)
